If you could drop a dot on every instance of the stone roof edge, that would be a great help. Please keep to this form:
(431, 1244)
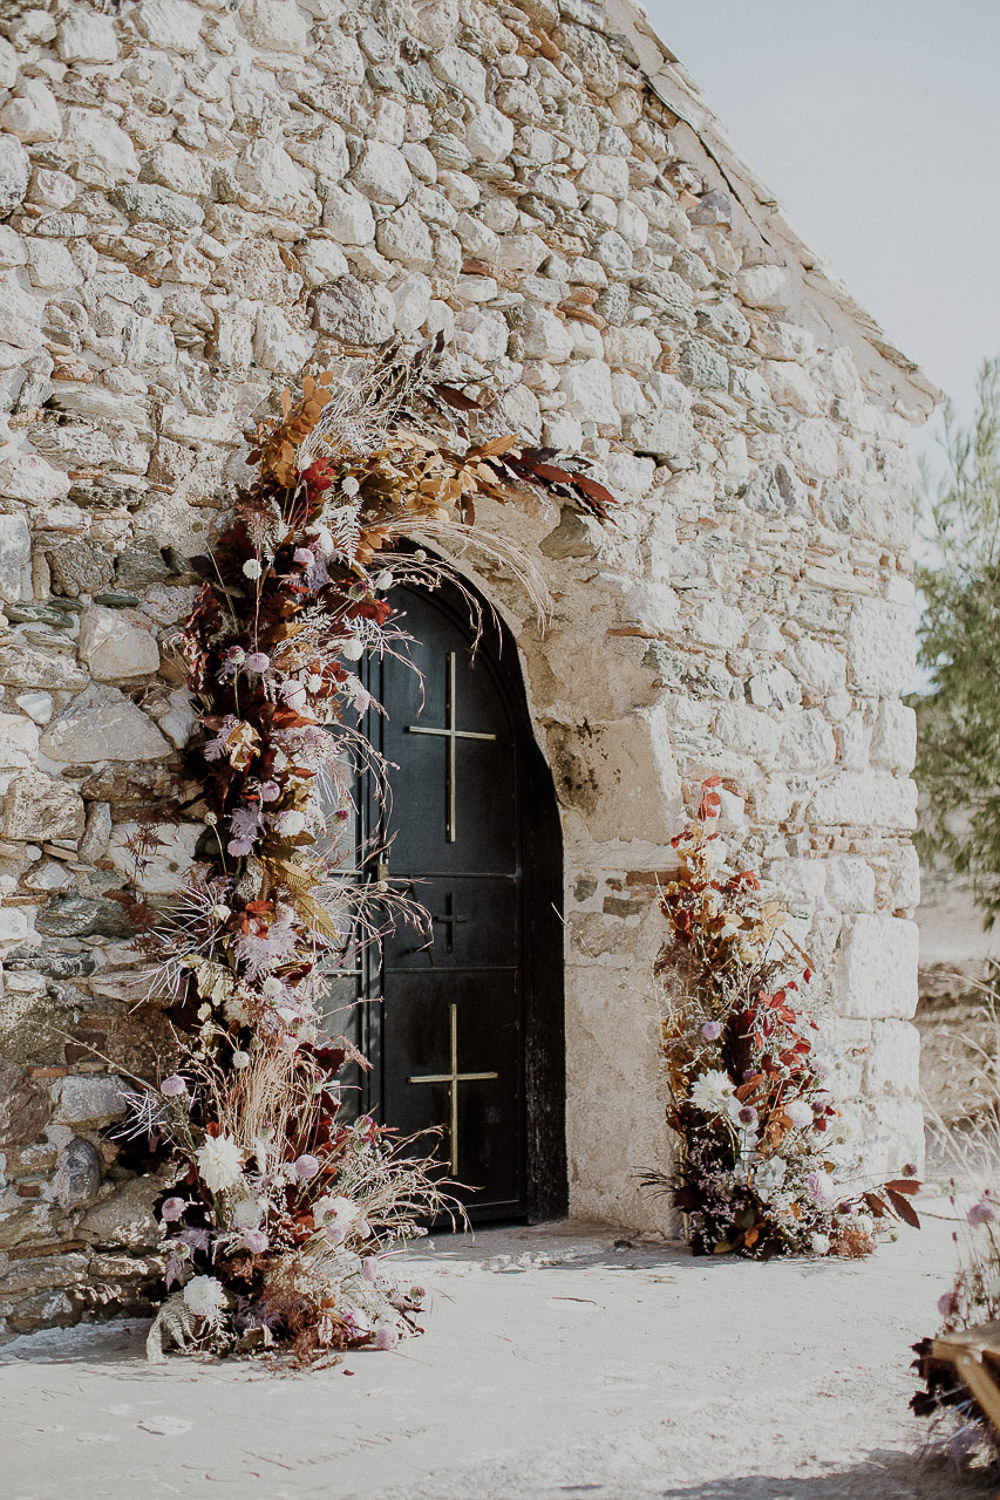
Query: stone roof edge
(626, 19)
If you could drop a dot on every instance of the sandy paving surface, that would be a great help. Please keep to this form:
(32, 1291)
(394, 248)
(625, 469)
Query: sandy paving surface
(554, 1366)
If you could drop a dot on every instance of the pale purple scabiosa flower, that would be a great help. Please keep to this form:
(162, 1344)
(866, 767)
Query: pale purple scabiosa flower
(947, 1305)
(270, 791)
(257, 662)
(256, 1241)
(172, 1210)
(244, 827)
(306, 1166)
(748, 1115)
(173, 1087)
(982, 1212)
(386, 1336)
(711, 1031)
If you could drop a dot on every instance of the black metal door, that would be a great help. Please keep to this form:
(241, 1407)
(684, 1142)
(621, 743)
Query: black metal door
(467, 1036)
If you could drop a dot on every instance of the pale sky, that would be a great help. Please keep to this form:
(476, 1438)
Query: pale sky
(877, 125)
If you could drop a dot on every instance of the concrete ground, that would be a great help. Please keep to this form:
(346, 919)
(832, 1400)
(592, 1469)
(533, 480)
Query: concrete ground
(556, 1363)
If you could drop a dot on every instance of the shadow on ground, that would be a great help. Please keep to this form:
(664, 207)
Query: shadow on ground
(883, 1475)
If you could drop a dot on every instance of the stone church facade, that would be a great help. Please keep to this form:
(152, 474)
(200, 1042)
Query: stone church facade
(198, 200)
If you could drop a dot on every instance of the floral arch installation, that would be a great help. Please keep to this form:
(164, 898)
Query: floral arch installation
(282, 1207)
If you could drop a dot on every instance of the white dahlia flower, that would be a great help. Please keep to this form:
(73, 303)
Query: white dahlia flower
(220, 1163)
(712, 1091)
(205, 1295)
(799, 1112)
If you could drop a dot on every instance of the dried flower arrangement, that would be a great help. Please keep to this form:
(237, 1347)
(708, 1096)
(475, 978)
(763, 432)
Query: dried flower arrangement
(282, 1211)
(959, 1427)
(749, 1103)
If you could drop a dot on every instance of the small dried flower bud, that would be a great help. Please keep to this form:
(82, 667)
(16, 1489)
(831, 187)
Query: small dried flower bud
(350, 485)
(220, 912)
(271, 988)
(291, 822)
(241, 1060)
(252, 567)
(211, 819)
(384, 580)
(306, 1167)
(420, 555)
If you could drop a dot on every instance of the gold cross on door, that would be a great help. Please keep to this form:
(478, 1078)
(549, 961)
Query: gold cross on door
(453, 1079)
(452, 734)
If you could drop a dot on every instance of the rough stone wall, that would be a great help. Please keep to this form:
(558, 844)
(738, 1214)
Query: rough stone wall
(196, 201)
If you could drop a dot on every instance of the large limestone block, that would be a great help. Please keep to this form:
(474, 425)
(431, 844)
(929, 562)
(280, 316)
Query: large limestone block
(126, 1218)
(105, 154)
(586, 385)
(166, 868)
(33, 115)
(881, 647)
(26, 476)
(113, 647)
(15, 558)
(866, 799)
(382, 174)
(18, 740)
(354, 313)
(894, 743)
(893, 1062)
(102, 724)
(489, 135)
(35, 803)
(279, 25)
(87, 38)
(89, 1099)
(620, 776)
(172, 24)
(15, 170)
(22, 666)
(876, 973)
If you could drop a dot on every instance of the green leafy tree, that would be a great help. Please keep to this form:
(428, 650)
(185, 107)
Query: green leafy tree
(958, 715)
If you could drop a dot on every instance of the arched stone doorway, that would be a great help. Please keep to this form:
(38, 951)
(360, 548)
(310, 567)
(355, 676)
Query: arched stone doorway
(467, 1031)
